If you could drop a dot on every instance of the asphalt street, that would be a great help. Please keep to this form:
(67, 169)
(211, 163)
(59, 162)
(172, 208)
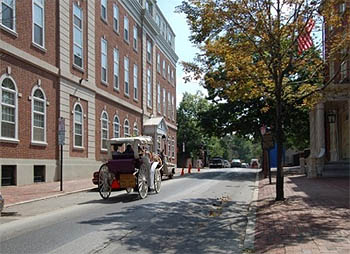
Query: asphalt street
(199, 213)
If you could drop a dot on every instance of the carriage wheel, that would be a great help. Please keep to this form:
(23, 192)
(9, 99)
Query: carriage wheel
(157, 181)
(142, 183)
(104, 182)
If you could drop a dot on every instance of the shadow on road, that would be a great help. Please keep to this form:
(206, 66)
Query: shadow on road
(190, 226)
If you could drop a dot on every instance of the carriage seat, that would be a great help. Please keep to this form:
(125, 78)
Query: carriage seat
(124, 165)
(122, 156)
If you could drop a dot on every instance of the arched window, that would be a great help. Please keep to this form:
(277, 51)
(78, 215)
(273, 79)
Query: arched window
(116, 127)
(104, 130)
(38, 115)
(8, 102)
(78, 125)
(136, 130)
(126, 128)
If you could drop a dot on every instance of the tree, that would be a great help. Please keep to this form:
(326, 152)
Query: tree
(249, 51)
(190, 133)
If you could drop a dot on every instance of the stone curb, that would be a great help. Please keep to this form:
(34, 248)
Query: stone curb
(249, 238)
(48, 197)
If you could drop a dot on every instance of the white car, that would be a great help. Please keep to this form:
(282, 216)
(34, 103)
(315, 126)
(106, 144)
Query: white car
(2, 202)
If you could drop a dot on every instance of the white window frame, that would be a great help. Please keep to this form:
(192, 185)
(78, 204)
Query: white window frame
(75, 44)
(135, 39)
(42, 6)
(116, 131)
(43, 101)
(168, 72)
(158, 98)
(77, 104)
(164, 102)
(149, 88)
(126, 29)
(116, 69)
(173, 107)
(126, 76)
(104, 113)
(158, 62)
(13, 7)
(116, 17)
(169, 105)
(104, 65)
(104, 4)
(135, 131)
(126, 128)
(15, 106)
(164, 69)
(149, 51)
(136, 83)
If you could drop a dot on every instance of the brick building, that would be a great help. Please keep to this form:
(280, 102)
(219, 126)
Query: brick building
(107, 67)
(329, 121)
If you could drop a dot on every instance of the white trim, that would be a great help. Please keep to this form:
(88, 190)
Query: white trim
(114, 123)
(106, 8)
(126, 76)
(149, 88)
(136, 83)
(2, 78)
(14, 18)
(116, 62)
(42, 113)
(135, 128)
(82, 125)
(34, 2)
(135, 39)
(128, 132)
(116, 7)
(102, 129)
(126, 28)
(81, 29)
(106, 54)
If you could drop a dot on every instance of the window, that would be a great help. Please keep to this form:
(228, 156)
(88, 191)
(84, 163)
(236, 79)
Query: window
(116, 68)
(149, 51)
(77, 36)
(126, 128)
(104, 130)
(158, 97)
(159, 138)
(173, 107)
(172, 76)
(158, 62)
(136, 85)
(158, 20)
(135, 38)
(126, 75)
(164, 69)
(126, 28)
(8, 109)
(343, 65)
(116, 18)
(164, 102)
(78, 125)
(8, 175)
(104, 60)
(39, 174)
(173, 148)
(38, 116)
(169, 105)
(149, 88)
(104, 9)
(136, 130)
(169, 73)
(38, 22)
(116, 127)
(342, 7)
(8, 14)
(331, 69)
(149, 7)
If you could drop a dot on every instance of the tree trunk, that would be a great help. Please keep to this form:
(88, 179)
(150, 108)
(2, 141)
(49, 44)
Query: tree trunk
(279, 141)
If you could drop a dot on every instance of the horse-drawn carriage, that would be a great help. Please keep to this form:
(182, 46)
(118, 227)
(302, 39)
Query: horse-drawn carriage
(135, 169)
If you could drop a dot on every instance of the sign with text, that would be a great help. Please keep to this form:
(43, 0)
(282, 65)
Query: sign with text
(61, 130)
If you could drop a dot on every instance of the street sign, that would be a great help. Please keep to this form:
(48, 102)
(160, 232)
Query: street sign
(268, 141)
(61, 131)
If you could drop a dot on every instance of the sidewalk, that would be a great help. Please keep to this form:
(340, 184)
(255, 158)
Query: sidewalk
(22, 194)
(314, 218)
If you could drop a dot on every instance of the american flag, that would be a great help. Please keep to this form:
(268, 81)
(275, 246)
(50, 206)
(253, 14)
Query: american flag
(304, 39)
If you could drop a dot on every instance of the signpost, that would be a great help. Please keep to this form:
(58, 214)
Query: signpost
(61, 137)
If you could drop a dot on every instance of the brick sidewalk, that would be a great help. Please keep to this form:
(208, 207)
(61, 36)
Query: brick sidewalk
(314, 218)
(20, 194)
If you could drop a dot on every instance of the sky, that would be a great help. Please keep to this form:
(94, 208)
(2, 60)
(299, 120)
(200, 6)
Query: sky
(183, 47)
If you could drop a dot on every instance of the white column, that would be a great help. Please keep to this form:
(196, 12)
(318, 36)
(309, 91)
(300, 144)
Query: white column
(320, 138)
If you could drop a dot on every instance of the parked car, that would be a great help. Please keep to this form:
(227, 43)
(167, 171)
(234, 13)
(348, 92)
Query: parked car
(227, 164)
(2, 203)
(245, 165)
(216, 163)
(236, 163)
(254, 163)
